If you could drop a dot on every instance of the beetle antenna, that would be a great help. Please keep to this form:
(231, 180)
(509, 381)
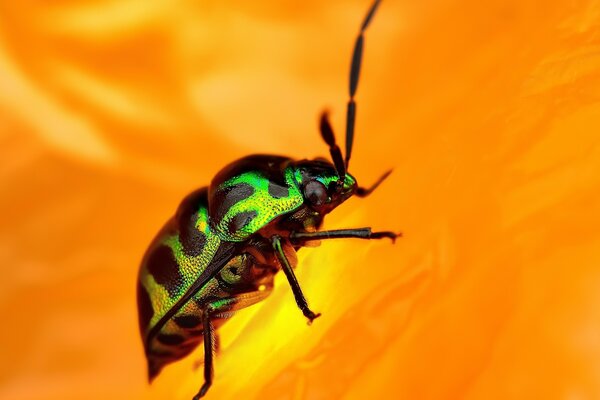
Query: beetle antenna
(329, 138)
(364, 192)
(354, 75)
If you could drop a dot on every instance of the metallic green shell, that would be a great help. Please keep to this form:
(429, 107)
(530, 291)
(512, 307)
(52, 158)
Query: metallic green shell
(259, 202)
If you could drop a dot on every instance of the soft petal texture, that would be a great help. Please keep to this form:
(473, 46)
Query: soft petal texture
(488, 111)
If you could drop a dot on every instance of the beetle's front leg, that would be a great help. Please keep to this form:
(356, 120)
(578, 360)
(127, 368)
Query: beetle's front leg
(291, 277)
(358, 233)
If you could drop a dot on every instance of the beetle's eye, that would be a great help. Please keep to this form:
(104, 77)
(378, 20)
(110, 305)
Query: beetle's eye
(316, 193)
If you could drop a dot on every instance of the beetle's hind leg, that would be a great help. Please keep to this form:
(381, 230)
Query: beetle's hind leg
(221, 308)
(209, 340)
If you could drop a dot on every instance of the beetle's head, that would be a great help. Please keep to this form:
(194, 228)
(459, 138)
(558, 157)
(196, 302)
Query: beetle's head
(321, 186)
(326, 184)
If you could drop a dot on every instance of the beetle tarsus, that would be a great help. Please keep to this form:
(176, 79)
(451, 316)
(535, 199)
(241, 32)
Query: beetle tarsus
(386, 234)
(311, 316)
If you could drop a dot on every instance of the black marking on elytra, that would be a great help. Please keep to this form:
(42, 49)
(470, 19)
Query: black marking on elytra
(188, 321)
(145, 309)
(227, 197)
(192, 241)
(269, 166)
(186, 217)
(239, 221)
(277, 191)
(170, 339)
(190, 205)
(163, 267)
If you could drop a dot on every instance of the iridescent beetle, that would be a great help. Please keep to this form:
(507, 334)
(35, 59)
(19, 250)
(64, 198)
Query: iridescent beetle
(221, 250)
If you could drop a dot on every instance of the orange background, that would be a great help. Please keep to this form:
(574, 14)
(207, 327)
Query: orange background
(488, 111)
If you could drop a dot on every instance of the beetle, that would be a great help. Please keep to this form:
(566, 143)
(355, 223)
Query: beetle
(220, 251)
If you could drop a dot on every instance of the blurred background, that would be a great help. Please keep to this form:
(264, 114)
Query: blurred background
(111, 111)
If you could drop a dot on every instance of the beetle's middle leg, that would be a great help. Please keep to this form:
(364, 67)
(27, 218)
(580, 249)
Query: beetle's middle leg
(293, 281)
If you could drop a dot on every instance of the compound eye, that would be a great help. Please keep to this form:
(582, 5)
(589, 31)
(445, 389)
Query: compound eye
(316, 193)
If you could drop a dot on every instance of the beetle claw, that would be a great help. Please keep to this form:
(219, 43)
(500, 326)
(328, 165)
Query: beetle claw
(396, 236)
(386, 234)
(311, 316)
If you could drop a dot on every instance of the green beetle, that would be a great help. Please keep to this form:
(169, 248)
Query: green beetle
(222, 249)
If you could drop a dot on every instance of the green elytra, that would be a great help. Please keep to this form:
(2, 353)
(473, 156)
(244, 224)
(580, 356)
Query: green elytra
(221, 250)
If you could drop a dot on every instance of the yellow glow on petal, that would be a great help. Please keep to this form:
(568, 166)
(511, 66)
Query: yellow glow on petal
(487, 112)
